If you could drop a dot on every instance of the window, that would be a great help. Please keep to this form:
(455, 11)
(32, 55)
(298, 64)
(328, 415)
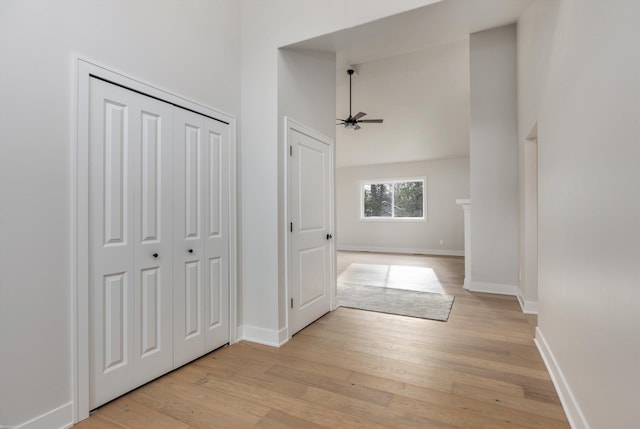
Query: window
(393, 199)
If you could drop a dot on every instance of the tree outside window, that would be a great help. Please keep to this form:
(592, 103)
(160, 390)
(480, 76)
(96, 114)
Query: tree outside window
(393, 199)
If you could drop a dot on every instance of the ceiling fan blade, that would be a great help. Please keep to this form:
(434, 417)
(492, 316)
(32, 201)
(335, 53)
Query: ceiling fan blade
(359, 115)
(371, 121)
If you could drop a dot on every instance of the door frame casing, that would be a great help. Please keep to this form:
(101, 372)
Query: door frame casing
(80, 339)
(291, 124)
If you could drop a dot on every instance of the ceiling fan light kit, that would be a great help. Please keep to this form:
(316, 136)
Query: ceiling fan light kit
(354, 121)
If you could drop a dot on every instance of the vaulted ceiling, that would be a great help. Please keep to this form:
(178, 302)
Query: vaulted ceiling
(394, 55)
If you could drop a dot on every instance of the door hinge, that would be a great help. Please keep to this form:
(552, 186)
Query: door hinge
(291, 302)
(291, 226)
(290, 150)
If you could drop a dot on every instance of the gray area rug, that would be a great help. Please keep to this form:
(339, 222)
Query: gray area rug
(411, 303)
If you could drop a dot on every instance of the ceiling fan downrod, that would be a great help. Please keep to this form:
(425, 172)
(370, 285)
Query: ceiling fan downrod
(350, 71)
(353, 122)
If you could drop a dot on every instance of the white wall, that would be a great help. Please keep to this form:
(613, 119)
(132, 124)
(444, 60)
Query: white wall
(536, 29)
(306, 82)
(588, 154)
(446, 181)
(267, 26)
(494, 161)
(423, 98)
(305, 89)
(189, 48)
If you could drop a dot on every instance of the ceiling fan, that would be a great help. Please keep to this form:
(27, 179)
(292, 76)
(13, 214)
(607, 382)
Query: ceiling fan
(354, 122)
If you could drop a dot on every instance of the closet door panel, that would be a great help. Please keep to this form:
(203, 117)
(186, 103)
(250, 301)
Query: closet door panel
(131, 315)
(216, 173)
(188, 252)
(153, 226)
(111, 242)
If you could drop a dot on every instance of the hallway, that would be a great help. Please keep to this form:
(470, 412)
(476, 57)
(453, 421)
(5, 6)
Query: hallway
(363, 369)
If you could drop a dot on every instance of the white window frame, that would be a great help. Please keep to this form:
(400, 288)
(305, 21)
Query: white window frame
(363, 183)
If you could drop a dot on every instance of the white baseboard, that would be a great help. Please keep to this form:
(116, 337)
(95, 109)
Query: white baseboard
(438, 252)
(268, 337)
(528, 307)
(283, 337)
(568, 400)
(58, 418)
(498, 288)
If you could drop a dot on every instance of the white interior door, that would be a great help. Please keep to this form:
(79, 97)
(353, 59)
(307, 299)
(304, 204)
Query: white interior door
(201, 255)
(129, 240)
(310, 244)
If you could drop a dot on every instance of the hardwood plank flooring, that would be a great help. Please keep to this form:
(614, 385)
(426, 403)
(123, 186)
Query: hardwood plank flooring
(362, 369)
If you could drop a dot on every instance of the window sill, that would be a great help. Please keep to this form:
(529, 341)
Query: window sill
(393, 220)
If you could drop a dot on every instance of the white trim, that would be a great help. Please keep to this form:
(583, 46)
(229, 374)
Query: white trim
(403, 250)
(83, 69)
(73, 227)
(528, 307)
(467, 282)
(533, 133)
(233, 236)
(570, 405)
(390, 219)
(292, 124)
(267, 337)
(497, 288)
(286, 220)
(334, 247)
(128, 81)
(58, 418)
(80, 259)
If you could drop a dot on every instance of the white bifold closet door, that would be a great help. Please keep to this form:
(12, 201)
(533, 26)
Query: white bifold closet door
(130, 240)
(158, 233)
(201, 240)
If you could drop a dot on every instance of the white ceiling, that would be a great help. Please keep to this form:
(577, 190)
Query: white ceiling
(442, 22)
(398, 39)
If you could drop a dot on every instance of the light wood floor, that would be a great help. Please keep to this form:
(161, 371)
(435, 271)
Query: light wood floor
(361, 369)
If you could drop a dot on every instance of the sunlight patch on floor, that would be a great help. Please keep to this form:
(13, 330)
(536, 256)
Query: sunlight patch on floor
(393, 276)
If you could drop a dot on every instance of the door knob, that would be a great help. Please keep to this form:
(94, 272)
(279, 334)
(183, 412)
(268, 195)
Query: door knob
(155, 255)
(190, 250)
(329, 236)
